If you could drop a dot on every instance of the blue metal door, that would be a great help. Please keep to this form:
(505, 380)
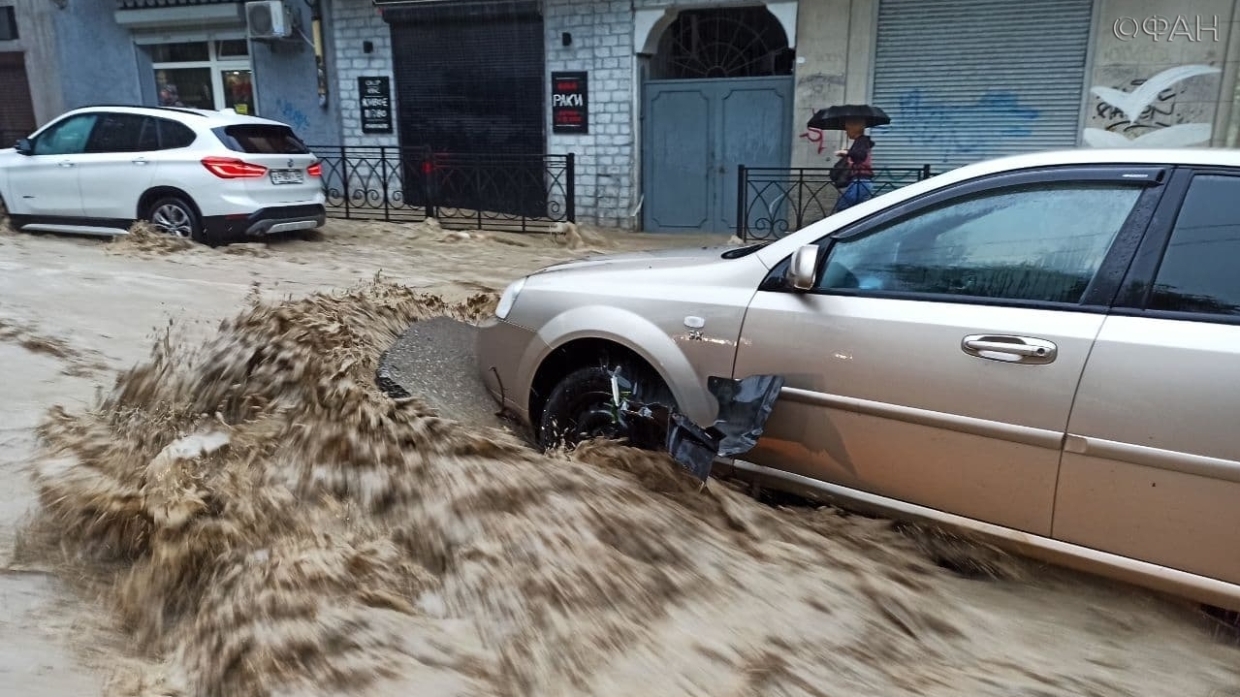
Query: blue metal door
(695, 135)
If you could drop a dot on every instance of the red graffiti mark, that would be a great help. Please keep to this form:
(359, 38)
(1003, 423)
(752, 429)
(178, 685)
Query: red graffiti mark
(815, 137)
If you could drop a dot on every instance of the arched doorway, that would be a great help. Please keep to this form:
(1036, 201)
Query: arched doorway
(719, 95)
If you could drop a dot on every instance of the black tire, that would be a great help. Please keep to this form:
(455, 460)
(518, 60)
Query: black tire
(176, 216)
(579, 408)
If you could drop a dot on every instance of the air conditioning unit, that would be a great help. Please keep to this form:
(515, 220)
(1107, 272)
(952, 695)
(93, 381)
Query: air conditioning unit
(268, 20)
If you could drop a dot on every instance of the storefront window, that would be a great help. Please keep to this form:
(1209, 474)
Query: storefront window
(190, 87)
(238, 91)
(209, 75)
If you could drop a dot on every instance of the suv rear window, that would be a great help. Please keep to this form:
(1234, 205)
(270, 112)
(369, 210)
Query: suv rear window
(261, 139)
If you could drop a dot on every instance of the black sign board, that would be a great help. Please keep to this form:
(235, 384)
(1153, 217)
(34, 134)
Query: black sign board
(376, 101)
(570, 110)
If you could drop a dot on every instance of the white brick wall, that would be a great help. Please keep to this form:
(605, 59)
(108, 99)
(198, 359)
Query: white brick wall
(606, 157)
(352, 22)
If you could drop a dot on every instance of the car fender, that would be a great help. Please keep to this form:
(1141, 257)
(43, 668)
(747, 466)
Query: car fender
(641, 336)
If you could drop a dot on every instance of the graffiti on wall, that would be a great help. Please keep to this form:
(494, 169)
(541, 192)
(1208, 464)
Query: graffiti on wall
(290, 114)
(955, 129)
(1144, 113)
(815, 137)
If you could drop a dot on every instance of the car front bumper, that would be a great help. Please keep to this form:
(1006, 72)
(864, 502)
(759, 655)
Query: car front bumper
(507, 358)
(265, 221)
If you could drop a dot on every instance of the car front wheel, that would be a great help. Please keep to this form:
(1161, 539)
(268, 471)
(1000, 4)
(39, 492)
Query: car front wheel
(175, 216)
(582, 406)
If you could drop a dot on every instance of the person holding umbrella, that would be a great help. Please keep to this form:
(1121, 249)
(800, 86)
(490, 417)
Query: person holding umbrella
(853, 173)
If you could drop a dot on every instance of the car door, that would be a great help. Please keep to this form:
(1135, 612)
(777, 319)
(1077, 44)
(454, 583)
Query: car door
(936, 359)
(117, 166)
(1151, 467)
(46, 181)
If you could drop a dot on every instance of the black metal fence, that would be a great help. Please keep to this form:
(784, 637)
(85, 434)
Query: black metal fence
(775, 201)
(526, 193)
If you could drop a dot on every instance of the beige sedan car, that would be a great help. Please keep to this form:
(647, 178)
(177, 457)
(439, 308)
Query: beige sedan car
(1043, 349)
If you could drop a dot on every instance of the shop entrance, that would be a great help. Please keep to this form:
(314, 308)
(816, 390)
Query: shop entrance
(719, 96)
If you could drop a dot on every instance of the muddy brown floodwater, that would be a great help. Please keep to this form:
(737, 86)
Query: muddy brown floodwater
(239, 511)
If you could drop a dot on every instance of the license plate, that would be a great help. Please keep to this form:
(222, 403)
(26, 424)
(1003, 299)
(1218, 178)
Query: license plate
(287, 176)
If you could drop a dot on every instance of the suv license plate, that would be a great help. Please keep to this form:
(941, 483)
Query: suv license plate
(286, 176)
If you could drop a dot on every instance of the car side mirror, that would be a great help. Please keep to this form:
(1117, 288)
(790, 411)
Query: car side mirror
(23, 147)
(803, 268)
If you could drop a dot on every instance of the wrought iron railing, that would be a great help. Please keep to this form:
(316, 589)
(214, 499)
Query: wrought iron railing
(526, 193)
(775, 201)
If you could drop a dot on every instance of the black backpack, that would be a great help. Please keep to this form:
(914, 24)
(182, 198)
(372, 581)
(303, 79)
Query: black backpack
(842, 173)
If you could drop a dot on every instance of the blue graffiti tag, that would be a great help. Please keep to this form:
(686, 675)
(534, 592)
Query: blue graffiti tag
(293, 116)
(960, 128)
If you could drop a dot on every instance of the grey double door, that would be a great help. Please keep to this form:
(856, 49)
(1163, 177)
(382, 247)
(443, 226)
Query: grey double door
(696, 133)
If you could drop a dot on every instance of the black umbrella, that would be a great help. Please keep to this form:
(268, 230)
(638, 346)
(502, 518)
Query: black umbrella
(833, 119)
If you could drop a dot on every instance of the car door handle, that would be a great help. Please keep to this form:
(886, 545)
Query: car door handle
(139, 161)
(1011, 349)
(66, 163)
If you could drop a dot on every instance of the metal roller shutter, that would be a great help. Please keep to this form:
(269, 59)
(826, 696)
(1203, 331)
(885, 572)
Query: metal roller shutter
(470, 81)
(967, 80)
(470, 78)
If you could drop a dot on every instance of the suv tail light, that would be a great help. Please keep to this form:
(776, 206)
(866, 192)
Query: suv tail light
(315, 170)
(232, 168)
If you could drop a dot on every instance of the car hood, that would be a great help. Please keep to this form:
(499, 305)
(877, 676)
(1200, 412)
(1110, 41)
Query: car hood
(653, 259)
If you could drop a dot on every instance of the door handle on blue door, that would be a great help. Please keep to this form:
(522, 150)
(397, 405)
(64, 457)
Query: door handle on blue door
(1010, 349)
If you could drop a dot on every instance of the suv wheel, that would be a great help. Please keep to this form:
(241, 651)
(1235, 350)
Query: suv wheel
(175, 216)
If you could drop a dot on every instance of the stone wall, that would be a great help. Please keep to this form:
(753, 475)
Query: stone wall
(1159, 68)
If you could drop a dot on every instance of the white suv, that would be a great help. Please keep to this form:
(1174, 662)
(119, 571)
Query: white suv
(213, 176)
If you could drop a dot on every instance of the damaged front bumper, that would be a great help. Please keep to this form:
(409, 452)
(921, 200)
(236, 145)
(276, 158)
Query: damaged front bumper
(744, 407)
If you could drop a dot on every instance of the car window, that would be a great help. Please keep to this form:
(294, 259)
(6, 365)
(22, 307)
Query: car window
(1200, 271)
(261, 139)
(67, 137)
(174, 135)
(117, 133)
(1041, 242)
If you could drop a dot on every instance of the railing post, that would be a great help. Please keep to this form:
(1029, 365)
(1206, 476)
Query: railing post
(925, 171)
(800, 204)
(570, 188)
(742, 210)
(344, 173)
(383, 173)
(428, 170)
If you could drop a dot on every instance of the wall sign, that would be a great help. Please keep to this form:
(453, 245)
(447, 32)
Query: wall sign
(376, 103)
(570, 111)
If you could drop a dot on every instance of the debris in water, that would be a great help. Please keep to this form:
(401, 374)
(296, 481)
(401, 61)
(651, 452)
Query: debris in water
(146, 238)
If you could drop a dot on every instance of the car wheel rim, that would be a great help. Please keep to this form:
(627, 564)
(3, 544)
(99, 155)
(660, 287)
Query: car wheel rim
(597, 422)
(173, 219)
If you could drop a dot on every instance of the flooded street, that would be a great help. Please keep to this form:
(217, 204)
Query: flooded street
(242, 512)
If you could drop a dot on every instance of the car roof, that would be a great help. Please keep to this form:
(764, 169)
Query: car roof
(186, 115)
(1203, 157)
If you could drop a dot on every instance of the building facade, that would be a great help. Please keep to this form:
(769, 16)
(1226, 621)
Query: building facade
(680, 94)
(163, 52)
(660, 101)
